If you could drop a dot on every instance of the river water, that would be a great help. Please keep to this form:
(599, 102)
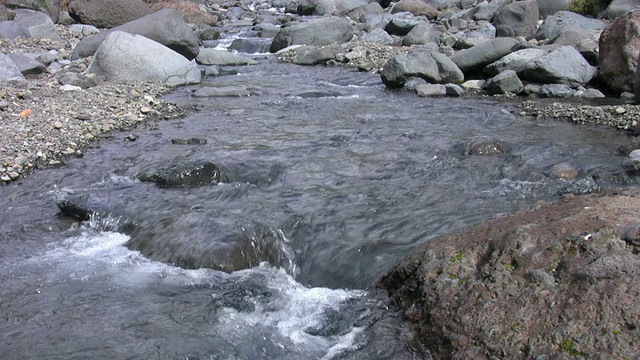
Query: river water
(332, 179)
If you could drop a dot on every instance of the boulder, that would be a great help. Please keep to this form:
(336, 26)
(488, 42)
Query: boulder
(553, 25)
(519, 18)
(13, 30)
(378, 36)
(483, 54)
(515, 61)
(562, 66)
(581, 40)
(620, 7)
(426, 90)
(38, 23)
(505, 82)
(550, 7)
(221, 57)
(313, 55)
(27, 65)
(165, 26)
(9, 72)
(128, 57)
(107, 13)
(401, 23)
(49, 7)
(555, 91)
(431, 66)
(250, 45)
(416, 7)
(187, 174)
(317, 32)
(619, 48)
(421, 34)
(486, 10)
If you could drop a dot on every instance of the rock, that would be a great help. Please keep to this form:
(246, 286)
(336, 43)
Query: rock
(619, 7)
(210, 56)
(187, 174)
(619, 49)
(312, 55)
(107, 13)
(431, 66)
(562, 66)
(581, 40)
(454, 90)
(481, 55)
(421, 34)
(76, 79)
(474, 85)
(317, 32)
(84, 29)
(250, 45)
(50, 7)
(550, 7)
(165, 26)
(505, 82)
(426, 90)
(519, 18)
(38, 23)
(69, 87)
(401, 24)
(223, 91)
(553, 25)
(416, 7)
(45, 58)
(486, 10)
(190, 141)
(515, 61)
(632, 163)
(9, 72)
(563, 171)
(378, 36)
(128, 57)
(555, 91)
(13, 30)
(26, 65)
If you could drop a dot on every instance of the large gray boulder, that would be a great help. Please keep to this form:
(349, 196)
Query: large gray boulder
(317, 32)
(483, 54)
(328, 7)
(620, 7)
(13, 30)
(27, 65)
(562, 66)
(486, 10)
(580, 39)
(378, 36)
(9, 72)
(517, 19)
(210, 56)
(431, 66)
(619, 52)
(421, 34)
(128, 57)
(39, 24)
(550, 7)
(49, 7)
(165, 26)
(401, 23)
(553, 25)
(107, 13)
(505, 82)
(515, 61)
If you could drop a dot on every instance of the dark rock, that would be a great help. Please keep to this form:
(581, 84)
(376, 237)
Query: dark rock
(27, 66)
(581, 40)
(251, 45)
(519, 18)
(107, 13)
(312, 55)
(401, 24)
(553, 25)
(483, 54)
(485, 146)
(617, 8)
(165, 26)
(187, 175)
(416, 7)
(317, 94)
(454, 90)
(562, 66)
(39, 24)
(515, 61)
(505, 82)
(190, 141)
(421, 34)
(317, 32)
(619, 49)
(550, 7)
(49, 7)
(9, 72)
(555, 91)
(431, 66)
(486, 10)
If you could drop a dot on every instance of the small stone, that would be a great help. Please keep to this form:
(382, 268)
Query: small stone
(58, 125)
(131, 137)
(14, 175)
(21, 160)
(83, 117)
(55, 163)
(5, 178)
(146, 110)
(620, 110)
(70, 88)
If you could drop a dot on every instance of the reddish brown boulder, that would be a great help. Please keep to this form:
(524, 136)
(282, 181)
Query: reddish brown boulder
(619, 49)
(416, 7)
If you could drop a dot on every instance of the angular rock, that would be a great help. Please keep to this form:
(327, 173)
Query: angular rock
(431, 66)
(223, 91)
(421, 34)
(517, 19)
(317, 32)
(165, 26)
(555, 91)
(619, 49)
(128, 57)
(416, 7)
(562, 66)
(107, 13)
(486, 10)
(13, 30)
(9, 72)
(553, 25)
(221, 57)
(581, 40)
(426, 90)
(401, 24)
(505, 82)
(75, 79)
(27, 65)
(378, 36)
(38, 23)
(483, 54)
(515, 61)
(45, 58)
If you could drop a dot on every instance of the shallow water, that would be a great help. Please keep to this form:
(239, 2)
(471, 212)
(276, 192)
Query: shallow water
(335, 174)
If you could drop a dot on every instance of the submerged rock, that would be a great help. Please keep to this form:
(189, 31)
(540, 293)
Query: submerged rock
(187, 174)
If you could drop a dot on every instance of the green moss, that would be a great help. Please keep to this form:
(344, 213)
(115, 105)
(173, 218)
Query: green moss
(456, 257)
(586, 7)
(615, 332)
(566, 346)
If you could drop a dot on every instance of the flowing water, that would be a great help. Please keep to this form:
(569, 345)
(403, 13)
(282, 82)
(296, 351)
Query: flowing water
(330, 180)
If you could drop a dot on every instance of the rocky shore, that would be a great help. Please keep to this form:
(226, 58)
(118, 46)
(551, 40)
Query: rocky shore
(556, 281)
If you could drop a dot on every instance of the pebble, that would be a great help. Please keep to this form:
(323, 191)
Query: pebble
(58, 125)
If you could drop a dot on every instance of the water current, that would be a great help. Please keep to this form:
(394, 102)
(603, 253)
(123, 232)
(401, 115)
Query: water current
(332, 180)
